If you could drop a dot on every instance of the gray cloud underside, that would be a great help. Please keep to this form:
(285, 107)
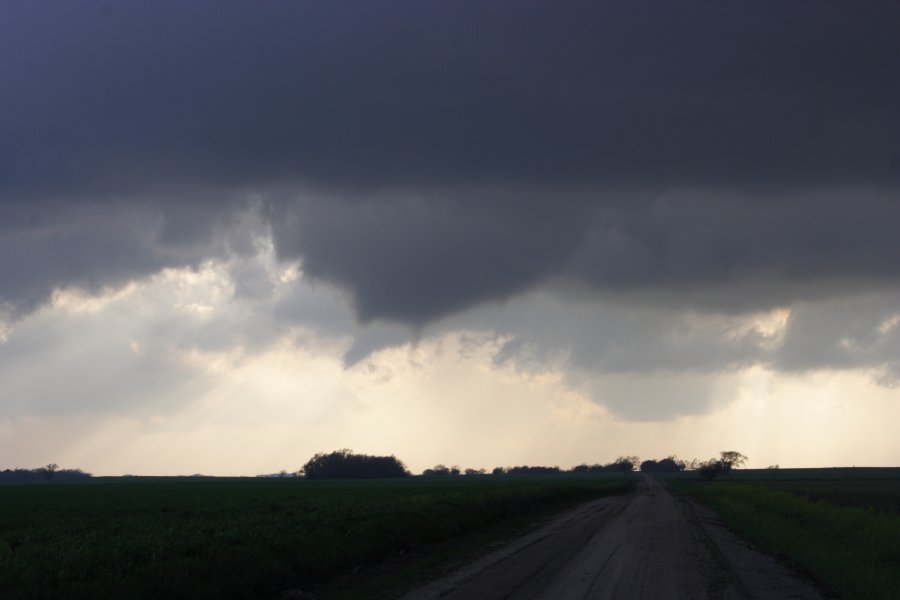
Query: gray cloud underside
(417, 260)
(649, 362)
(47, 245)
(428, 158)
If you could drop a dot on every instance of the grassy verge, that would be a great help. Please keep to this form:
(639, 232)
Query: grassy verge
(247, 538)
(880, 496)
(854, 551)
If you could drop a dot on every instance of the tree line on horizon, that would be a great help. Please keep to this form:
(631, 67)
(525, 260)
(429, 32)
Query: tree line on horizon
(345, 464)
(45, 473)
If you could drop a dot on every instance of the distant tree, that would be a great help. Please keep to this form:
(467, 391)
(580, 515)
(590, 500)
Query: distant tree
(50, 470)
(41, 473)
(585, 468)
(474, 471)
(498, 471)
(731, 459)
(648, 466)
(344, 464)
(710, 469)
(73, 474)
(442, 471)
(669, 464)
(437, 471)
(728, 460)
(623, 464)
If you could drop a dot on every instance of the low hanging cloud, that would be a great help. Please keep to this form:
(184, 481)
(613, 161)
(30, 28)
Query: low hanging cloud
(417, 260)
(435, 162)
(49, 245)
(413, 259)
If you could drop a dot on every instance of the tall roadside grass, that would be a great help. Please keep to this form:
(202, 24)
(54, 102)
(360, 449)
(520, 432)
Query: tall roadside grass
(853, 551)
(246, 538)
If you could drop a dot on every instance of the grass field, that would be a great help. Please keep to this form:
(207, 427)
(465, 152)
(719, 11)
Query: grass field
(838, 525)
(244, 538)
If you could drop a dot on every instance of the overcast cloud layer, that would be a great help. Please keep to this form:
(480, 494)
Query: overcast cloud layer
(433, 161)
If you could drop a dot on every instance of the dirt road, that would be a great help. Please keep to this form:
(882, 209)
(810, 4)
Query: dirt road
(643, 545)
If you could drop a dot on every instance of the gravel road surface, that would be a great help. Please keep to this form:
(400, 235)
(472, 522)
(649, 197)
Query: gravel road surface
(643, 545)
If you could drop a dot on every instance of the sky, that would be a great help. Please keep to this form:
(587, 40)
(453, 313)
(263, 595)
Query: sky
(234, 234)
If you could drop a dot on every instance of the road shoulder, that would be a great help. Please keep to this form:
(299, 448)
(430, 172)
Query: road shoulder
(752, 573)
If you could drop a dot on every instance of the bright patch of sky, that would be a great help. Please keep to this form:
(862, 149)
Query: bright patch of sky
(180, 373)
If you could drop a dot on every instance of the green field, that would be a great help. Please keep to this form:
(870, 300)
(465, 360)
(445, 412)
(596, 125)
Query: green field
(842, 526)
(244, 538)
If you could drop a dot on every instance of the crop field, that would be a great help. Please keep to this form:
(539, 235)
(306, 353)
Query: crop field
(240, 538)
(840, 526)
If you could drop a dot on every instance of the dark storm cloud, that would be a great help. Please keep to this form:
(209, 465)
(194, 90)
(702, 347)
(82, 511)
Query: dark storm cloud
(707, 239)
(400, 92)
(46, 245)
(415, 260)
(449, 154)
(410, 260)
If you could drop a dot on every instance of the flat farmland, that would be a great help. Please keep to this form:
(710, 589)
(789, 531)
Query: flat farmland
(242, 538)
(251, 538)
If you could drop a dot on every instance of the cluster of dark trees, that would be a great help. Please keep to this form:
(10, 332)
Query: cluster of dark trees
(45, 473)
(344, 464)
(444, 471)
(669, 464)
(728, 460)
(623, 464)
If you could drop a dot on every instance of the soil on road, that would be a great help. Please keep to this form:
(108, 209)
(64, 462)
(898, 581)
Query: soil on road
(643, 545)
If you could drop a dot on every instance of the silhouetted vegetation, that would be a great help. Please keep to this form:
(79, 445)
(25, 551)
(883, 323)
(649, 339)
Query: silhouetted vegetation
(343, 464)
(623, 464)
(710, 469)
(728, 460)
(669, 464)
(50, 470)
(585, 468)
(46, 473)
(731, 459)
(441, 471)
